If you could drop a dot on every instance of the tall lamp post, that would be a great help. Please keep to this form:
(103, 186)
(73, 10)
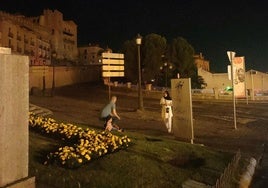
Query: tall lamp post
(252, 84)
(231, 56)
(54, 55)
(44, 77)
(166, 66)
(138, 42)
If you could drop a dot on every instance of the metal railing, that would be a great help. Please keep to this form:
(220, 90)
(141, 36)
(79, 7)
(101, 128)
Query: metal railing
(227, 179)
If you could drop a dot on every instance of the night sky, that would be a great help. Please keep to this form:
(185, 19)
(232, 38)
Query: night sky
(211, 27)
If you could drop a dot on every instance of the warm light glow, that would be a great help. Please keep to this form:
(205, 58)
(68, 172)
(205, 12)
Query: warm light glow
(138, 40)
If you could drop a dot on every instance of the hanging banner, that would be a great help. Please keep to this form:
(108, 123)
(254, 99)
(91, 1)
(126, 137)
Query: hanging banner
(239, 77)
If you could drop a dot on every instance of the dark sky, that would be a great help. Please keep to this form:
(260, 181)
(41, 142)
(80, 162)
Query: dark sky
(211, 27)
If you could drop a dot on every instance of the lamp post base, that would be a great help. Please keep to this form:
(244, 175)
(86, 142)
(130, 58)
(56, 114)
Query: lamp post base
(140, 110)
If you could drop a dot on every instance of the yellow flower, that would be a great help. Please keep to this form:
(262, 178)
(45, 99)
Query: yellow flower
(83, 152)
(87, 157)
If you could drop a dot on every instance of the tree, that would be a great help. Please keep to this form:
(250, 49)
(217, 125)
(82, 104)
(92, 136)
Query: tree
(198, 82)
(130, 60)
(181, 54)
(154, 46)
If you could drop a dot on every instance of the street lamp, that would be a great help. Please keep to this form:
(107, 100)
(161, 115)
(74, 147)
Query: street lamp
(44, 77)
(231, 56)
(166, 66)
(138, 42)
(54, 55)
(252, 84)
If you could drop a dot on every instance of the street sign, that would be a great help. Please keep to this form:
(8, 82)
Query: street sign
(112, 68)
(113, 61)
(113, 55)
(231, 56)
(112, 74)
(113, 65)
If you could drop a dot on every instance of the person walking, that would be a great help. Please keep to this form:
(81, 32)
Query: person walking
(166, 110)
(110, 110)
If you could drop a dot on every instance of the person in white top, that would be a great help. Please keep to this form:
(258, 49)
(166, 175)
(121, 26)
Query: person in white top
(166, 113)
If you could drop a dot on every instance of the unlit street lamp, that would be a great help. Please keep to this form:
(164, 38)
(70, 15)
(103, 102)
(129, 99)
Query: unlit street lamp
(138, 42)
(44, 77)
(54, 55)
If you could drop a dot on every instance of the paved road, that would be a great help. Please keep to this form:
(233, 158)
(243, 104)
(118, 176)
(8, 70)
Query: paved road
(213, 120)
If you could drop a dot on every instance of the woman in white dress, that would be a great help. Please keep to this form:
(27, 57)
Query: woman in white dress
(166, 113)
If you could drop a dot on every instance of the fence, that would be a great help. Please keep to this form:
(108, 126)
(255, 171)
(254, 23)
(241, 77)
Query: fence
(227, 178)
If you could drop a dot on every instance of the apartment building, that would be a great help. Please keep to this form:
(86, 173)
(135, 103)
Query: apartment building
(46, 39)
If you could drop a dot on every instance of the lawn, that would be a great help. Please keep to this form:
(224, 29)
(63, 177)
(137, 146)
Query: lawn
(148, 161)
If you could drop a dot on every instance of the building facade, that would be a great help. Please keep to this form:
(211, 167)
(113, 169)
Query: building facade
(200, 62)
(255, 81)
(90, 55)
(40, 37)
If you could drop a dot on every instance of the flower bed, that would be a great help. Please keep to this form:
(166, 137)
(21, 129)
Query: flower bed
(83, 145)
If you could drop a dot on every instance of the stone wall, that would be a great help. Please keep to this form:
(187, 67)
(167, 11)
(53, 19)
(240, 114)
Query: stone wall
(63, 75)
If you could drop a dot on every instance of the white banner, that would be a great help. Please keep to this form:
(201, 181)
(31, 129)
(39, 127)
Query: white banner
(239, 77)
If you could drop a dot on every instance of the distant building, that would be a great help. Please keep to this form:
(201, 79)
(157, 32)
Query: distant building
(91, 54)
(40, 37)
(254, 80)
(200, 62)
(63, 34)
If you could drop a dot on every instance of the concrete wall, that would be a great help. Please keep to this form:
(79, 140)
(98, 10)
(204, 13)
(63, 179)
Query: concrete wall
(64, 75)
(258, 82)
(14, 109)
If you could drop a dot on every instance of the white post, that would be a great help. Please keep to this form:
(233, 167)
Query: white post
(252, 85)
(246, 85)
(231, 55)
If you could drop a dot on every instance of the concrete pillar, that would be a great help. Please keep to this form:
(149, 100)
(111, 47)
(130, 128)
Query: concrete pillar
(149, 87)
(128, 84)
(251, 93)
(14, 109)
(182, 109)
(216, 93)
